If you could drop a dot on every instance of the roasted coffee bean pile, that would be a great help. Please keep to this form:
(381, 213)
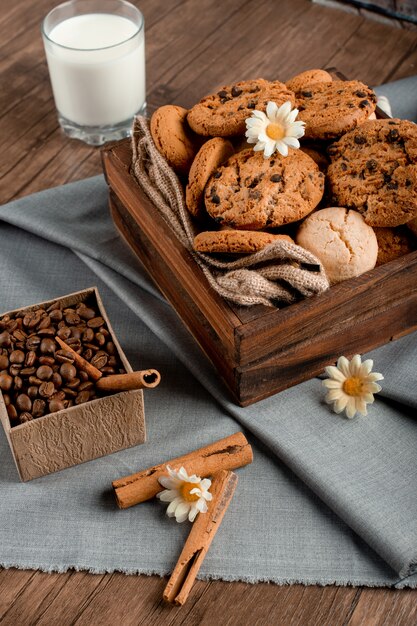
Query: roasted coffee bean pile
(37, 377)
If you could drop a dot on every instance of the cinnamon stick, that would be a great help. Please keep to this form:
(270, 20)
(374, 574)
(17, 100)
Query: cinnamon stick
(227, 454)
(198, 541)
(82, 363)
(144, 379)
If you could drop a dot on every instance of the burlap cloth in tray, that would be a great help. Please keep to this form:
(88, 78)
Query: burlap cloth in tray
(281, 273)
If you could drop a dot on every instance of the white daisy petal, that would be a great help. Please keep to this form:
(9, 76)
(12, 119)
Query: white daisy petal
(361, 406)
(271, 109)
(182, 507)
(366, 367)
(259, 146)
(334, 373)
(269, 149)
(181, 517)
(329, 383)
(292, 142)
(192, 514)
(168, 495)
(355, 365)
(350, 408)
(201, 505)
(343, 365)
(173, 505)
(284, 109)
(282, 148)
(208, 496)
(374, 377)
(334, 394)
(168, 483)
(260, 115)
(205, 484)
(340, 404)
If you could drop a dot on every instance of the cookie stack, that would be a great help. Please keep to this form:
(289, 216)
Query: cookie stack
(344, 195)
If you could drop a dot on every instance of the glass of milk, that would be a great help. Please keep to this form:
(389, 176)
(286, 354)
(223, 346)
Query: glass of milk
(95, 51)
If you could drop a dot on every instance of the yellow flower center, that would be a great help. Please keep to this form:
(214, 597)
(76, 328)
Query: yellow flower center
(185, 492)
(275, 131)
(353, 386)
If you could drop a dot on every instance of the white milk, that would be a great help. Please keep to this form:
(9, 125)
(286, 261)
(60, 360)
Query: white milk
(97, 80)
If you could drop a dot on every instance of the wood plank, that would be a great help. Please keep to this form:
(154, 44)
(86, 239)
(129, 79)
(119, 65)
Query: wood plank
(10, 591)
(385, 607)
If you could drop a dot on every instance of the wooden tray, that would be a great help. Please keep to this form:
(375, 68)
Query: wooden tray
(258, 350)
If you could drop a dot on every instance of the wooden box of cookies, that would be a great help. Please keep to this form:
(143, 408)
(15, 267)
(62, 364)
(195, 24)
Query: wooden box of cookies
(260, 350)
(48, 422)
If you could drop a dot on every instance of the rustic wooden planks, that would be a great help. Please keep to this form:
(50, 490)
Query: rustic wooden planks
(266, 37)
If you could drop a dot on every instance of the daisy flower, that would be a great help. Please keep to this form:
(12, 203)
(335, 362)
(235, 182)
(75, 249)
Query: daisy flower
(275, 130)
(351, 385)
(187, 495)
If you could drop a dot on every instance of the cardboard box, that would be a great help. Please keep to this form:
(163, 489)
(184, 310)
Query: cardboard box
(80, 433)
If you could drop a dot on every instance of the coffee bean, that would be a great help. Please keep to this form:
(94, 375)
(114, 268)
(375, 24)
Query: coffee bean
(86, 386)
(46, 332)
(63, 333)
(91, 346)
(44, 372)
(99, 360)
(83, 376)
(30, 358)
(64, 356)
(46, 389)
(72, 318)
(6, 381)
(23, 402)
(107, 370)
(44, 323)
(17, 383)
(38, 408)
(56, 315)
(54, 307)
(19, 335)
(32, 392)
(111, 348)
(76, 332)
(82, 397)
(68, 371)
(100, 338)
(32, 318)
(5, 339)
(27, 371)
(88, 335)
(95, 322)
(85, 312)
(47, 346)
(4, 362)
(56, 379)
(33, 342)
(74, 383)
(25, 417)
(55, 405)
(88, 354)
(34, 380)
(69, 392)
(11, 411)
(14, 370)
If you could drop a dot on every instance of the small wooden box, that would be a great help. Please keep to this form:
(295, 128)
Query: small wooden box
(80, 433)
(258, 350)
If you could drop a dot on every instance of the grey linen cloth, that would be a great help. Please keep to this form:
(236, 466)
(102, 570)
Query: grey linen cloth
(327, 500)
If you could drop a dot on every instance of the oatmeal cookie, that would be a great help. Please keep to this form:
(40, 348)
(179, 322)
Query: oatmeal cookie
(173, 138)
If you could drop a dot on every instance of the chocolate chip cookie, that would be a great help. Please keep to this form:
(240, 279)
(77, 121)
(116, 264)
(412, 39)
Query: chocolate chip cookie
(211, 154)
(331, 109)
(235, 241)
(393, 243)
(374, 170)
(250, 192)
(223, 114)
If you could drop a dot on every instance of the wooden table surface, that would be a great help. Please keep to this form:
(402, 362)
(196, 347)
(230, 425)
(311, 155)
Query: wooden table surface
(193, 46)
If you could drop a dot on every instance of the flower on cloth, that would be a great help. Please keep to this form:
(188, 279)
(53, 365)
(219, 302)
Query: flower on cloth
(187, 495)
(351, 385)
(275, 130)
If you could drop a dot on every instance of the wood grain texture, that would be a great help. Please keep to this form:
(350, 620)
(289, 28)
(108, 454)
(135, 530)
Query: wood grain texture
(192, 47)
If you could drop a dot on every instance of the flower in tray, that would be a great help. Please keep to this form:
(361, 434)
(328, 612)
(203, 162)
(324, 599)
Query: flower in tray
(187, 495)
(351, 385)
(275, 130)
